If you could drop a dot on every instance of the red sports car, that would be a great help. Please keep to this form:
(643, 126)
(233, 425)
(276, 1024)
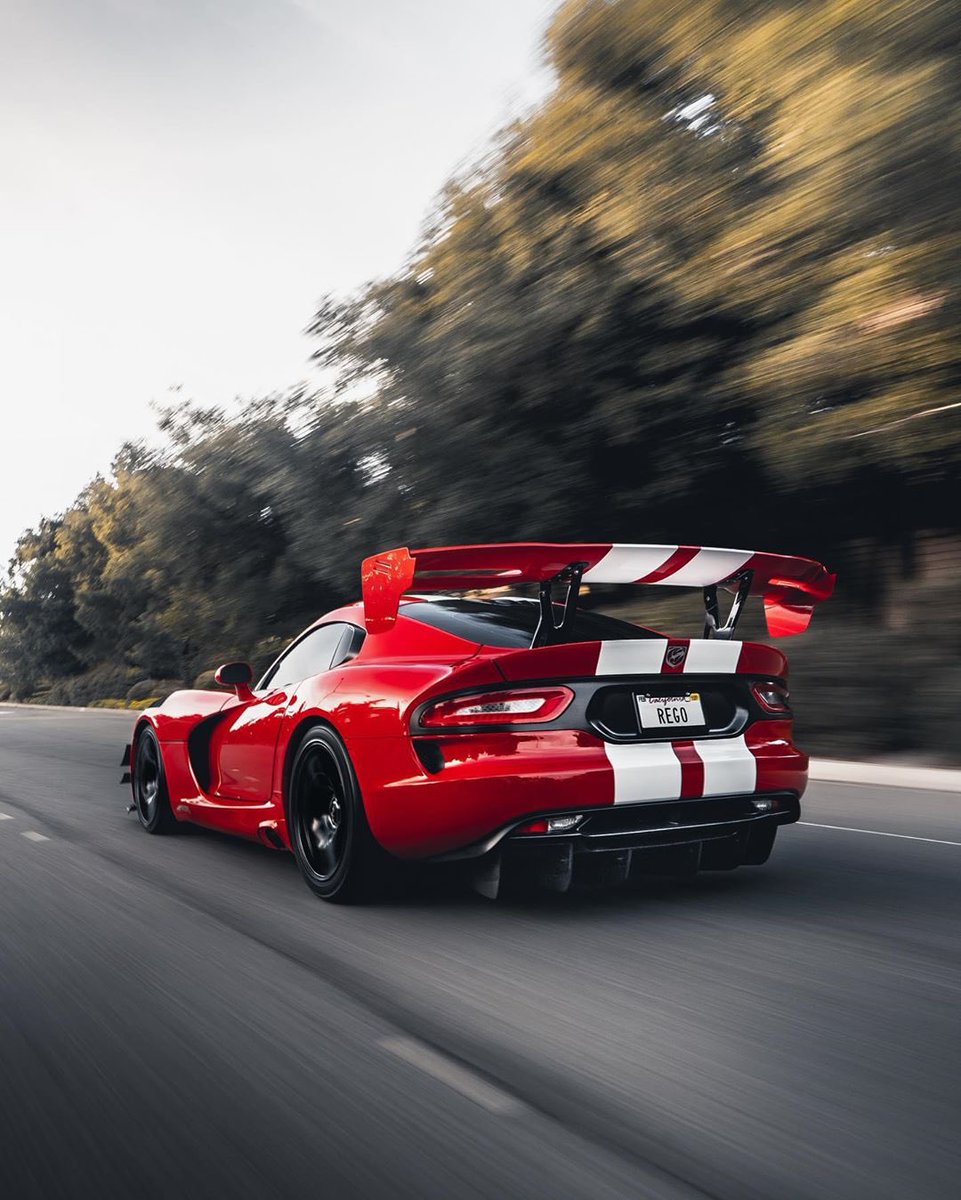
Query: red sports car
(536, 738)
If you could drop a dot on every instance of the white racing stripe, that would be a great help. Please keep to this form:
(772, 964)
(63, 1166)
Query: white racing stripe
(625, 564)
(712, 657)
(729, 766)
(644, 772)
(709, 565)
(907, 837)
(644, 657)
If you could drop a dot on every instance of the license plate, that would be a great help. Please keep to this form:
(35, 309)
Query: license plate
(670, 712)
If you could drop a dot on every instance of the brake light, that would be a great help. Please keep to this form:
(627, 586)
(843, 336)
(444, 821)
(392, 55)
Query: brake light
(499, 708)
(772, 697)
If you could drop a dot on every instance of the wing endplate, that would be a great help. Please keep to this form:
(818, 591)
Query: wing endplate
(384, 578)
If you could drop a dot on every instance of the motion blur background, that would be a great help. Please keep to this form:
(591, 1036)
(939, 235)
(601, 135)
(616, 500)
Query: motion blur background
(704, 288)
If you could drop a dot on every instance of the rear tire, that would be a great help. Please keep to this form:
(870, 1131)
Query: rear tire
(151, 796)
(331, 840)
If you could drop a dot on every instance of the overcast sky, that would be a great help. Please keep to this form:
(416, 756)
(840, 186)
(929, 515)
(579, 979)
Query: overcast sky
(180, 181)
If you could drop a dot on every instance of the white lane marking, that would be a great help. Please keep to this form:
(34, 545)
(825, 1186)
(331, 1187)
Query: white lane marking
(908, 837)
(631, 658)
(34, 836)
(729, 766)
(455, 1076)
(5, 817)
(642, 772)
(712, 657)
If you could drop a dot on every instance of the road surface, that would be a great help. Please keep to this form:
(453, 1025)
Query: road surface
(181, 1017)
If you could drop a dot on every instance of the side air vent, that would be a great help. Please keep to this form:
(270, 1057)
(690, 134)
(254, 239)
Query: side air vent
(430, 755)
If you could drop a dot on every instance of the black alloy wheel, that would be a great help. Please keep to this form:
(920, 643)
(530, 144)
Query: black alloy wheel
(150, 794)
(335, 850)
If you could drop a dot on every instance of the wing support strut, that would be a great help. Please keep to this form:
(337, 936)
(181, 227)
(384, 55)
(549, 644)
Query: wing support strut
(712, 613)
(548, 628)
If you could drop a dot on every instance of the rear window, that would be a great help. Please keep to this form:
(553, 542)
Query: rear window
(512, 623)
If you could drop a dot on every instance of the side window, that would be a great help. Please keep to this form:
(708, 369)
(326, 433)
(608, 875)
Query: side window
(310, 656)
(354, 638)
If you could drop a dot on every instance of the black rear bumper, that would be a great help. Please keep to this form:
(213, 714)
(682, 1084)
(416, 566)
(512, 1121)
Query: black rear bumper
(673, 823)
(649, 826)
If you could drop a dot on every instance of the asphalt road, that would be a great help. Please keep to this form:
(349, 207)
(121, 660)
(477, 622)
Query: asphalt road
(180, 1017)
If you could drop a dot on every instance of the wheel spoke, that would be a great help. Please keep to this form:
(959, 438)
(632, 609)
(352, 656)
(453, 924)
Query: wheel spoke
(325, 843)
(320, 808)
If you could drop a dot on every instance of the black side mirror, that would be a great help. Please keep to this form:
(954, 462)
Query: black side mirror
(236, 675)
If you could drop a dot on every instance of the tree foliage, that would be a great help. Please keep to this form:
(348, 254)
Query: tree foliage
(707, 290)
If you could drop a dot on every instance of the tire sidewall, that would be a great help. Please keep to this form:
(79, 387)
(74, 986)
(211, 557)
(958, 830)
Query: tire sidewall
(163, 816)
(323, 739)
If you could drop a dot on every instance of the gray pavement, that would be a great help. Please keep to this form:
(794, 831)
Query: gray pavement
(181, 1017)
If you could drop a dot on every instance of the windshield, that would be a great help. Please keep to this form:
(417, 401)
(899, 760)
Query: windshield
(511, 623)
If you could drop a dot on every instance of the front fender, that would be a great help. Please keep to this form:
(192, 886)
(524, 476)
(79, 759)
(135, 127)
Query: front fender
(176, 716)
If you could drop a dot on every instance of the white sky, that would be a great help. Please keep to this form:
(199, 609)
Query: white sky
(181, 180)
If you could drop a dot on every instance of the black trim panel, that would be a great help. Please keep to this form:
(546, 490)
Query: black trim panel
(636, 826)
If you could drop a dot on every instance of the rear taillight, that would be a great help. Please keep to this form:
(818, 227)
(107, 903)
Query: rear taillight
(532, 705)
(772, 697)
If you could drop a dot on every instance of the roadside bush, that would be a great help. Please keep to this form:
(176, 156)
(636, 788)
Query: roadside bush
(205, 682)
(860, 689)
(146, 689)
(941, 696)
(98, 682)
(263, 654)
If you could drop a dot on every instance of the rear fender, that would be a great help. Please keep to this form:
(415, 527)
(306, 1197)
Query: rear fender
(377, 700)
(368, 702)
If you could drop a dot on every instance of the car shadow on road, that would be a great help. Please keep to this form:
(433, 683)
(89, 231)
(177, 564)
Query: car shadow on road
(798, 877)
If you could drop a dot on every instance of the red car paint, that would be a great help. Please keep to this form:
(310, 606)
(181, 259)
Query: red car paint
(226, 755)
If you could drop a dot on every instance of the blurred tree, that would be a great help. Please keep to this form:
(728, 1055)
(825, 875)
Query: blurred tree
(723, 253)
(846, 255)
(40, 637)
(708, 289)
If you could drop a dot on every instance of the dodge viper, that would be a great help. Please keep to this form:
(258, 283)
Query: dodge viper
(442, 718)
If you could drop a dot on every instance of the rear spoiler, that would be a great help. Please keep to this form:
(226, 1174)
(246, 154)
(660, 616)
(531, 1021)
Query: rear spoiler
(789, 586)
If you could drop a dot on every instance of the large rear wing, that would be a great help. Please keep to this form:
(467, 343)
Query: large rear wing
(790, 586)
